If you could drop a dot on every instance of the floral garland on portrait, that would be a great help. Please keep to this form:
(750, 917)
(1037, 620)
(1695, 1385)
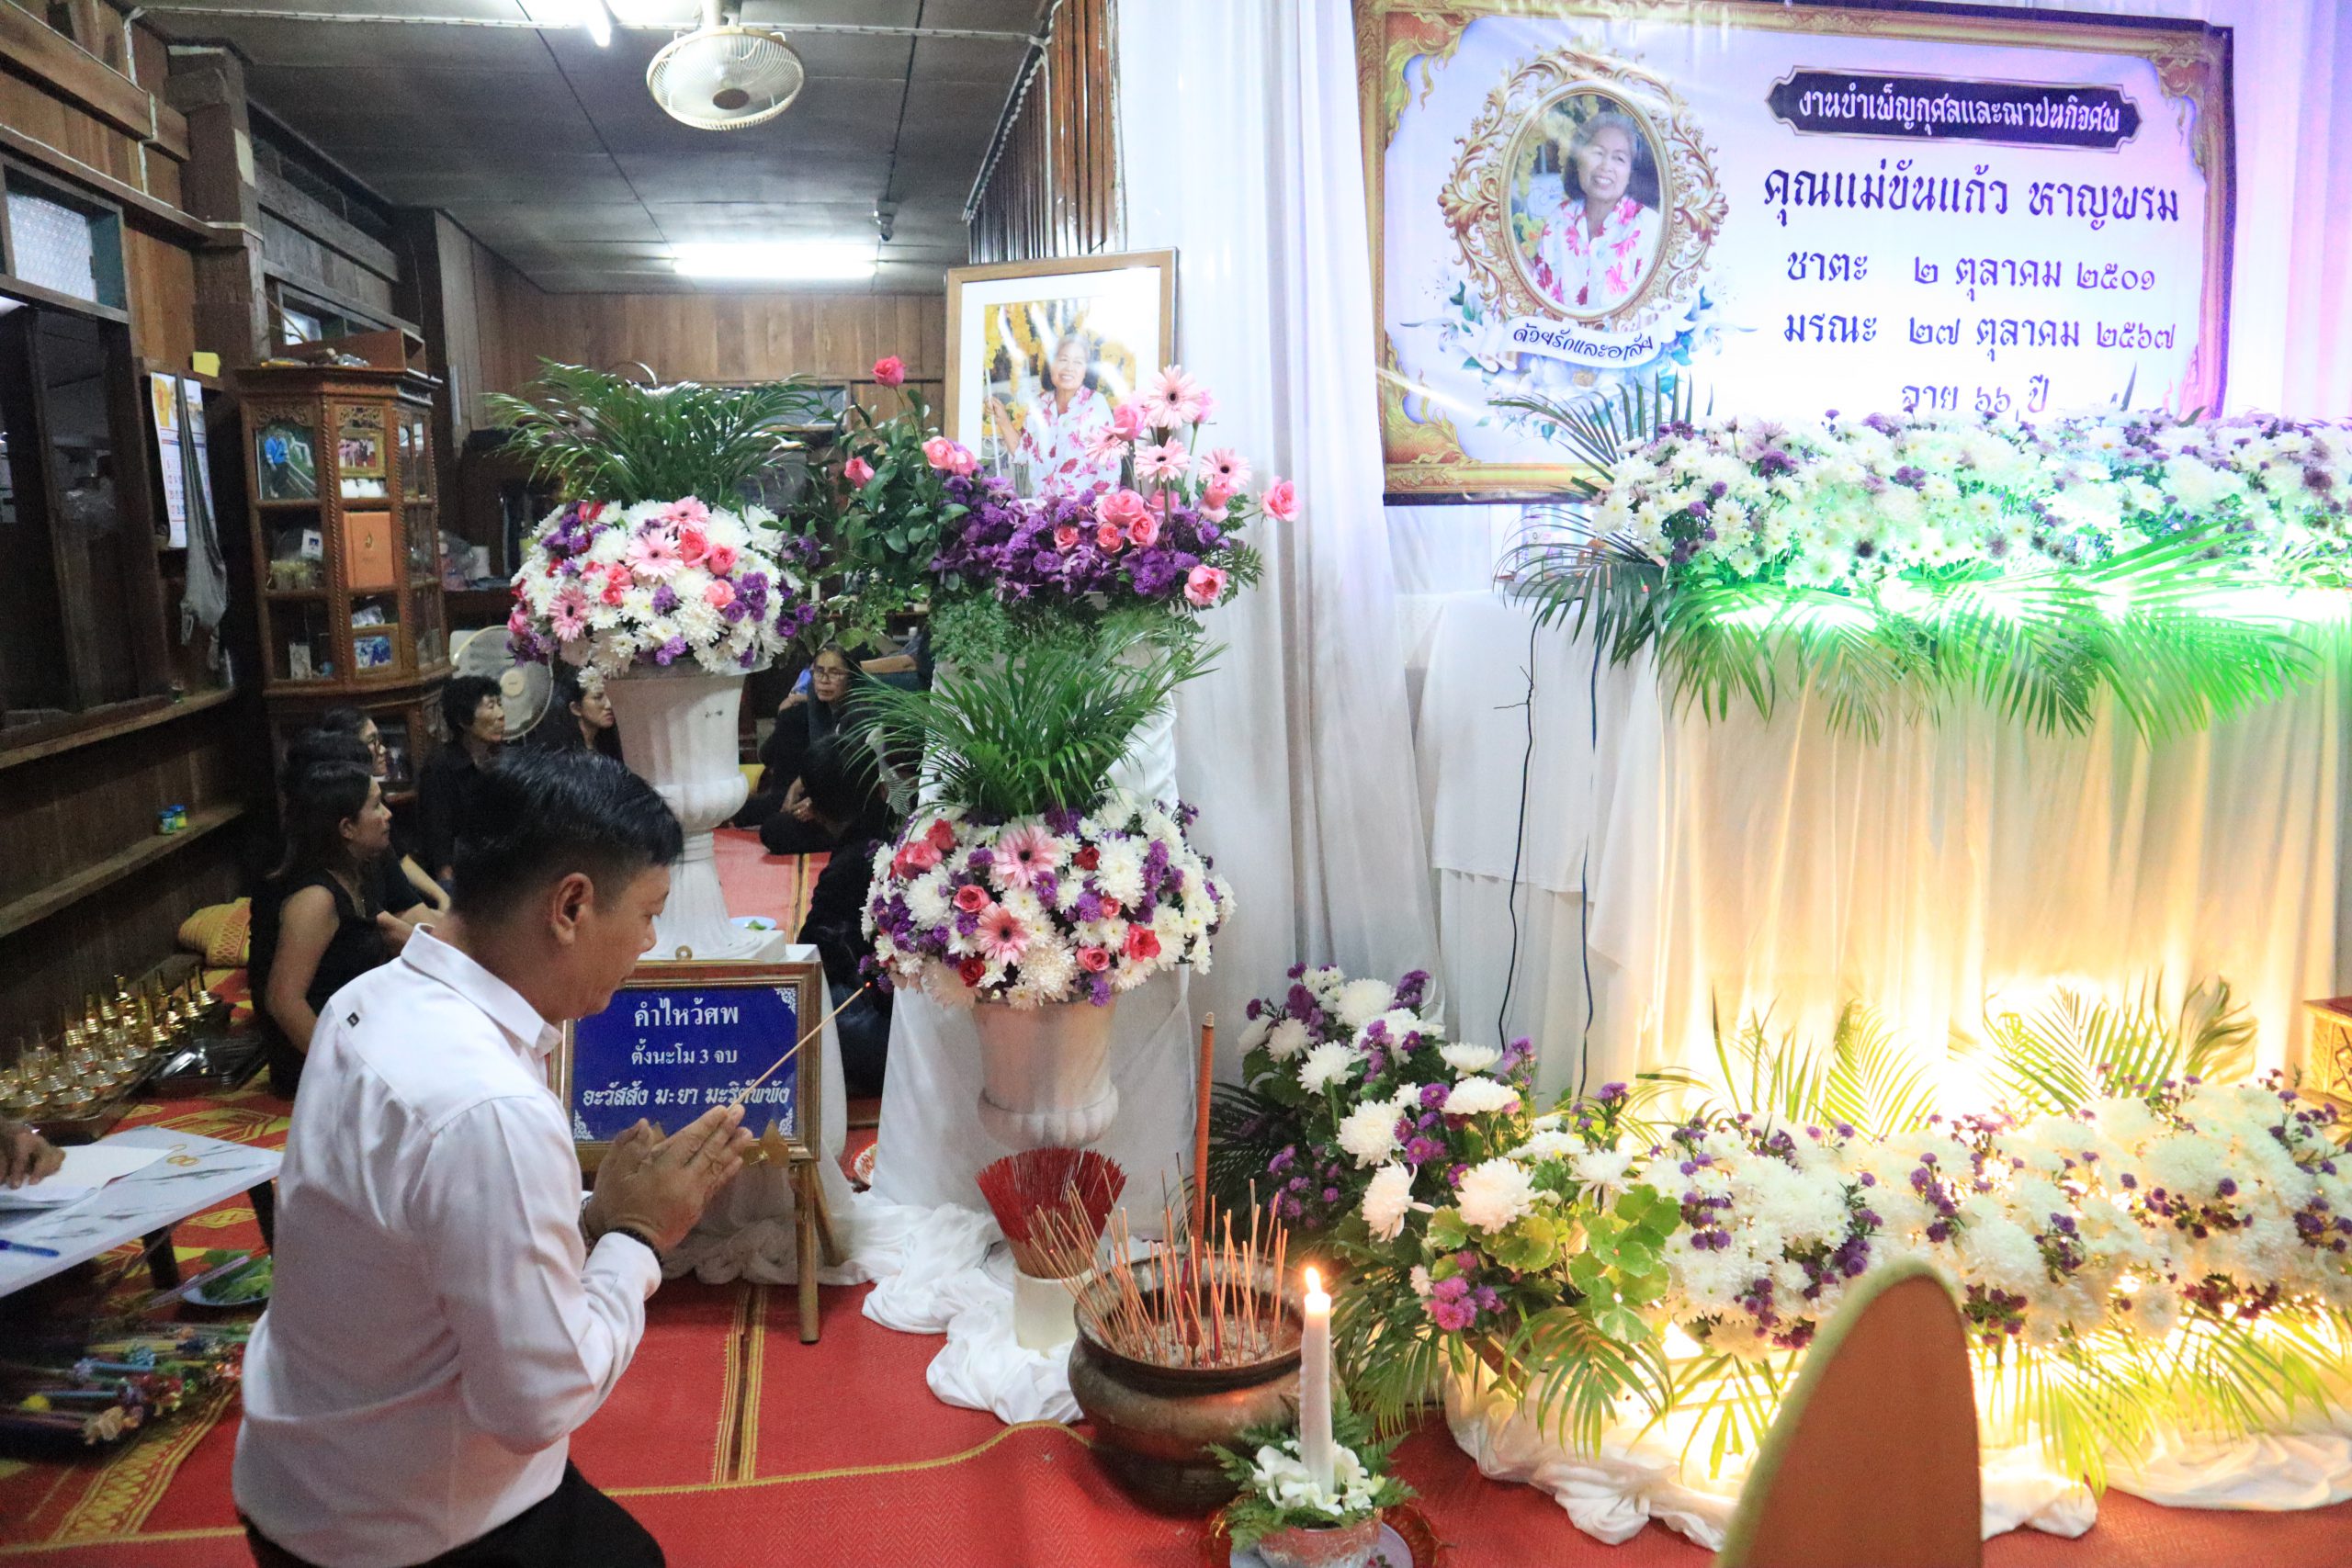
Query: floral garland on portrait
(2135, 1246)
(1892, 565)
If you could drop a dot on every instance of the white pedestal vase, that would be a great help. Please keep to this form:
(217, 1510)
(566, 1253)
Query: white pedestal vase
(1045, 1073)
(678, 733)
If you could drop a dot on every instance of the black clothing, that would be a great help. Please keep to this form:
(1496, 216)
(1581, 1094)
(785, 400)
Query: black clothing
(782, 756)
(357, 947)
(835, 924)
(559, 731)
(444, 805)
(573, 1526)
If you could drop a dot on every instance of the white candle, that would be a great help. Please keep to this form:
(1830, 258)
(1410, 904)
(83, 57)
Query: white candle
(1314, 1444)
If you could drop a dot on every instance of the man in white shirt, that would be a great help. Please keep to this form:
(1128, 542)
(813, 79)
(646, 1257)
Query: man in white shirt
(447, 1312)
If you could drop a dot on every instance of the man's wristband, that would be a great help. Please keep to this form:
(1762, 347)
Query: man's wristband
(637, 1235)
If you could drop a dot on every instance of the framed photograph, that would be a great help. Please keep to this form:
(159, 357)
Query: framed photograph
(1040, 353)
(679, 1038)
(1887, 206)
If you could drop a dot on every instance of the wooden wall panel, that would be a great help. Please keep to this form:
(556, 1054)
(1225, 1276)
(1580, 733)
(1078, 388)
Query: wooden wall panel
(161, 281)
(1054, 190)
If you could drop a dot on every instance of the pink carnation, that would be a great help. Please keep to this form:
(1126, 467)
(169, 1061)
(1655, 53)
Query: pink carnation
(1205, 586)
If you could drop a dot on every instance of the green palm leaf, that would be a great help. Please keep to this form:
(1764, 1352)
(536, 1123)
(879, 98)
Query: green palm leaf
(604, 437)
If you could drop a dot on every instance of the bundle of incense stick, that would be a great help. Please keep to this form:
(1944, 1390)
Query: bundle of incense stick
(1197, 1299)
(1074, 1186)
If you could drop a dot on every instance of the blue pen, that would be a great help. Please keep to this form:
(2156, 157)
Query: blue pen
(8, 1245)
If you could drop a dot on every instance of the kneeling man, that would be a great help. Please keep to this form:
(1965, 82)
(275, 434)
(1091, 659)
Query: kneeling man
(446, 1312)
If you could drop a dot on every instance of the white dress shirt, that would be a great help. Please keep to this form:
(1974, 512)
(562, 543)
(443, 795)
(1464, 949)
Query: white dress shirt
(438, 1329)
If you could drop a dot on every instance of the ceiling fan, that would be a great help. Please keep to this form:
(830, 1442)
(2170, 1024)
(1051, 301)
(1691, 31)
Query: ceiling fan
(725, 77)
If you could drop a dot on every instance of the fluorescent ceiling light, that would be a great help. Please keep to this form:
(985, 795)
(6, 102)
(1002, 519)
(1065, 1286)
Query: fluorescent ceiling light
(778, 261)
(598, 21)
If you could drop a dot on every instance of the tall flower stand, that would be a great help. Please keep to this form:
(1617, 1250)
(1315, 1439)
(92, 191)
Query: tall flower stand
(678, 733)
(1046, 1073)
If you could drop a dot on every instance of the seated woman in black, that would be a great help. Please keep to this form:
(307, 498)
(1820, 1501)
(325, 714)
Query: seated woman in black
(352, 724)
(780, 811)
(320, 923)
(845, 803)
(445, 791)
(577, 718)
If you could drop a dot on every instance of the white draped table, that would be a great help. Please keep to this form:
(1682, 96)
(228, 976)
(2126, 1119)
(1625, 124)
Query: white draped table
(1673, 868)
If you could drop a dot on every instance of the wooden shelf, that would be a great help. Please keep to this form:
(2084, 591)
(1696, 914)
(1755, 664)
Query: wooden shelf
(151, 711)
(287, 504)
(15, 915)
(293, 594)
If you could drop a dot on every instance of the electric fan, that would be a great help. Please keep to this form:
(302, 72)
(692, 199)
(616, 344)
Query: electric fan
(524, 688)
(724, 77)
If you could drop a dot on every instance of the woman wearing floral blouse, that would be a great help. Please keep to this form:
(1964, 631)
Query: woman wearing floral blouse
(1595, 250)
(1055, 440)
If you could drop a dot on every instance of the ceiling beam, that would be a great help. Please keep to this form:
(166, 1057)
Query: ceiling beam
(379, 19)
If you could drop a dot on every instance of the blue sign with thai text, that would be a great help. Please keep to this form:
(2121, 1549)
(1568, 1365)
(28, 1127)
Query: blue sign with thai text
(668, 1053)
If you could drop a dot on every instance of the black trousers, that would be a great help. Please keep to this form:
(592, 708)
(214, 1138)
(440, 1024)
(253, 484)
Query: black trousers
(575, 1526)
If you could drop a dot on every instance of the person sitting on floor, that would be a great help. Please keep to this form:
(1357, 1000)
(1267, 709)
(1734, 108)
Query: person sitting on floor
(350, 723)
(475, 717)
(780, 810)
(320, 922)
(845, 802)
(578, 719)
(447, 1312)
(25, 1156)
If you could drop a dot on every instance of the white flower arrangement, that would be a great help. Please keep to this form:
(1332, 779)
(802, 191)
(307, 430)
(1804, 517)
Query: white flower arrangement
(612, 588)
(1042, 910)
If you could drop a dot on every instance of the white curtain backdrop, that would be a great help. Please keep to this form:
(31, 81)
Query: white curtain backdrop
(1239, 146)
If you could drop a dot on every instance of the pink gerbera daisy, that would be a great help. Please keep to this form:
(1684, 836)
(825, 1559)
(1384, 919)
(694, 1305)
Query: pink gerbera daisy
(1222, 469)
(1172, 398)
(1025, 854)
(569, 615)
(1166, 462)
(1104, 443)
(689, 510)
(1002, 936)
(653, 555)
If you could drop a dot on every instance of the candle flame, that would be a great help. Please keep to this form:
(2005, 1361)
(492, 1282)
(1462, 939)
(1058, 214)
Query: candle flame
(1314, 1283)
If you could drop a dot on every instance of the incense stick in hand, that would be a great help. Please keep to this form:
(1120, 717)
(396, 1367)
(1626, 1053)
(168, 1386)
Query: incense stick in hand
(744, 1093)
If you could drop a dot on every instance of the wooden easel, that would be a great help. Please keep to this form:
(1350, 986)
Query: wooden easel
(812, 1220)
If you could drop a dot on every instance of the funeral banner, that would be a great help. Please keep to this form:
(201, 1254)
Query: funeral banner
(1795, 209)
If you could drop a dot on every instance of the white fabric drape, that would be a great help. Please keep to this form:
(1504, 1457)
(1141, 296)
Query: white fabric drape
(1740, 865)
(1239, 148)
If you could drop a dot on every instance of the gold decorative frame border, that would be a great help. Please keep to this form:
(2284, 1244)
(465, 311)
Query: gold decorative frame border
(1476, 202)
(1424, 461)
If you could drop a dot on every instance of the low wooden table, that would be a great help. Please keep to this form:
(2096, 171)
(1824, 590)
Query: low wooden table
(195, 1173)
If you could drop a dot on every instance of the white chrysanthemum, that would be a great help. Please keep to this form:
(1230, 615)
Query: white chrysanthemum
(1255, 1034)
(1287, 1039)
(927, 897)
(1495, 1194)
(696, 622)
(1550, 1142)
(608, 548)
(1388, 1201)
(1479, 1095)
(1601, 1168)
(1400, 1023)
(1421, 1281)
(1466, 1057)
(1120, 872)
(1324, 1066)
(1360, 1002)
(1049, 967)
(1369, 1132)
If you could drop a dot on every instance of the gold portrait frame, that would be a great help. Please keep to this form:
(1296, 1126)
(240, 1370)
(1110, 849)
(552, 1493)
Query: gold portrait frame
(1046, 274)
(1516, 152)
(1398, 40)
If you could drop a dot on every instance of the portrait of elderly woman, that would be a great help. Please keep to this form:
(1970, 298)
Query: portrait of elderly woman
(1053, 444)
(1586, 207)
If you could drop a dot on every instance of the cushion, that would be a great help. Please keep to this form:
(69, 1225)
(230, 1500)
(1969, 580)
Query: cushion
(221, 933)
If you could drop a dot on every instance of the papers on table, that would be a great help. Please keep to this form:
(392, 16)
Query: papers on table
(87, 1167)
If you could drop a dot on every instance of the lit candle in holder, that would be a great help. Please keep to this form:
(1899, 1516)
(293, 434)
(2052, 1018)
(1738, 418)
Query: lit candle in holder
(1314, 1444)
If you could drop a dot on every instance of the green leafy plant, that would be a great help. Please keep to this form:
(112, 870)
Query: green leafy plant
(2074, 1050)
(883, 520)
(605, 437)
(1269, 1454)
(1039, 732)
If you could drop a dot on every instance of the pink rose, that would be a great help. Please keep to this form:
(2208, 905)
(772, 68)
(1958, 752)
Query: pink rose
(616, 583)
(1143, 943)
(857, 471)
(718, 593)
(1120, 508)
(1143, 531)
(1066, 538)
(1205, 586)
(1093, 960)
(693, 545)
(1126, 422)
(721, 560)
(1110, 540)
(949, 455)
(914, 857)
(971, 899)
(890, 371)
(1281, 501)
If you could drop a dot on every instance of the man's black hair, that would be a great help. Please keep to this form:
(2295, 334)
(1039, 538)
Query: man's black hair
(459, 700)
(541, 815)
(342, 721)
